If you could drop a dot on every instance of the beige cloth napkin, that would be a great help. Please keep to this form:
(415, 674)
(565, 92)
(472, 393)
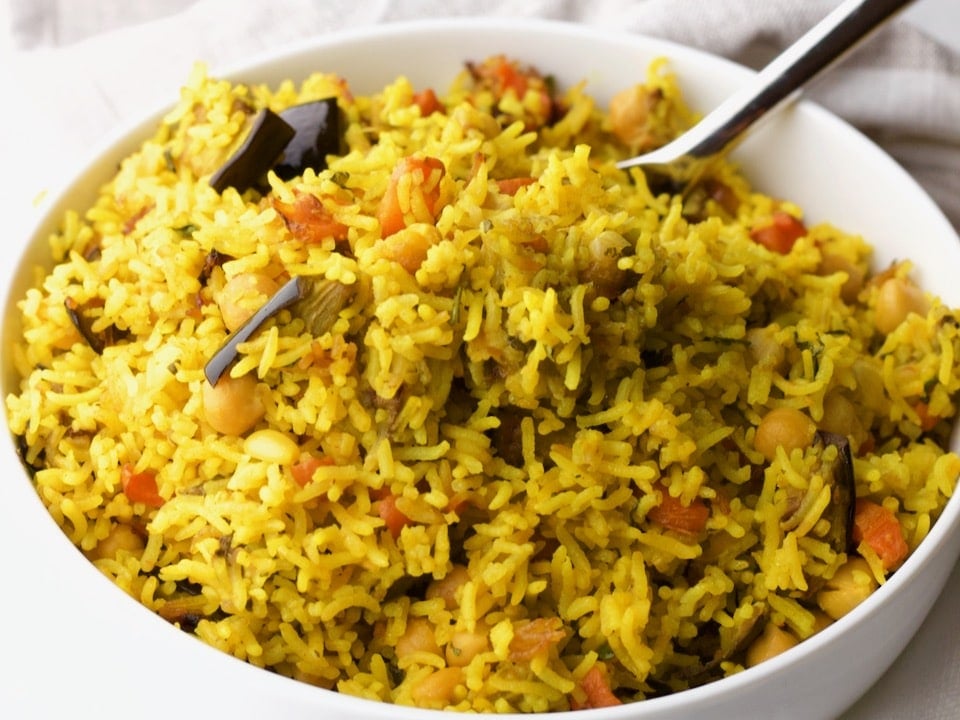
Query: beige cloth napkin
(78, 83)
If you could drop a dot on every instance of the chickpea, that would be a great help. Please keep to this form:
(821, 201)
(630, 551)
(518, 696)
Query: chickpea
(232, 406)
(831, 264)
(630, 120)
(437, 689)
(122, 537)
(850, 585)
(772, 641)
(242, 296)
(464, 646)
(602, 270)
(418, 637)
(895, 301)
(783, 427)
(448, 586)
(840, 416)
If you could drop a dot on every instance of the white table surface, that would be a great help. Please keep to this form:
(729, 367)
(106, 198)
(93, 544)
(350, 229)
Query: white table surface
(929, 664)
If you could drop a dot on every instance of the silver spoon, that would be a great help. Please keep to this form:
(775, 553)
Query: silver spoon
(682, 160)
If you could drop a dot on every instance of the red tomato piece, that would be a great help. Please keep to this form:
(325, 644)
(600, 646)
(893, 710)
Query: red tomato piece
(306, 466)
(879, 528)
(140, 487)
(781, 234)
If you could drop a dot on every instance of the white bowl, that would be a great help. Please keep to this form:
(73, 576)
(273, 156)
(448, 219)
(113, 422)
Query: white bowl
(78, 643)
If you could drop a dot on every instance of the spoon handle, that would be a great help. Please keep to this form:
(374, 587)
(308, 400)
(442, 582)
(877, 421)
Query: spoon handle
(827, 41)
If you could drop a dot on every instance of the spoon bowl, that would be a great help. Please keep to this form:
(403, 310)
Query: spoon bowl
(683, 160)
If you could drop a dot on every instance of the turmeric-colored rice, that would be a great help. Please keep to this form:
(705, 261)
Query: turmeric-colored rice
(525, 465)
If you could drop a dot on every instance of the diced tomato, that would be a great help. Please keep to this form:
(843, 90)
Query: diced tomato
(535, 637)
(879, 528)
(672, 514)
(306, 466)
(427, 101)
(596, 685)
(309, 221)
(503, 75)
(927, 420)
(781, 234)
(509, 186)
(394, 519)
(140, 487)
(426, 174)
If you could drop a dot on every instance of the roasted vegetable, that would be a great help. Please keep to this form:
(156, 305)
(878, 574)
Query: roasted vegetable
(320, 303)
(780, 234)
(316, 301)
(259, 152)
(880, 529)
(723, 644)
(838, 477)
(843, 492)
(84, 325)
(298, 138)
(596, 686)
(317, 134)
(288, 294)
(140, 487)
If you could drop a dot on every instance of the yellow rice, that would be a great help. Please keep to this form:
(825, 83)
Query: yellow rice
(612, 402)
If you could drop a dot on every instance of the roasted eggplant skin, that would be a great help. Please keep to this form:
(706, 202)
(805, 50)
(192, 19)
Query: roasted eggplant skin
(317, 134)
(843, 492)
(300, 137)
(261, 149)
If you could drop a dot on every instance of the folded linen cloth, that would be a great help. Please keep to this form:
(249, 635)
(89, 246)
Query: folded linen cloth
(78, 82)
